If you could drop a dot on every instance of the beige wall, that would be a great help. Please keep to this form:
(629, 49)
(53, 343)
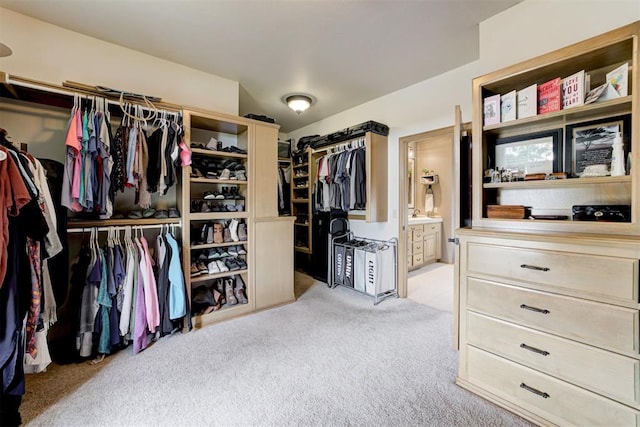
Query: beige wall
(52, 54)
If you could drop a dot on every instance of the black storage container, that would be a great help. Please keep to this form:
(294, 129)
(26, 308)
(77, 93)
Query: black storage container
(607, 213)
(350, 133)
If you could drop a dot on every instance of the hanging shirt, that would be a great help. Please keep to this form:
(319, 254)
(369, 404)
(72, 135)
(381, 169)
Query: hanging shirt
(150, 289)
(177, 297)
(140, 340)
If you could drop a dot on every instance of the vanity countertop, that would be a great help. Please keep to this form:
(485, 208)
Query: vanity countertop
(424, 220)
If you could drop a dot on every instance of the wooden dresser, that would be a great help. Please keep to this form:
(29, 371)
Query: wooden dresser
(549, 314)
(550, 325)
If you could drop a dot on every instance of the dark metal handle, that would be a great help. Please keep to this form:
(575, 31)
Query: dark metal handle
(534, 267)
(534, 391)
(537, 310)
(535, 350)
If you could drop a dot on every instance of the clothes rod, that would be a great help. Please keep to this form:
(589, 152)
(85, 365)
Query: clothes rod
(123, 227)
(85, 95)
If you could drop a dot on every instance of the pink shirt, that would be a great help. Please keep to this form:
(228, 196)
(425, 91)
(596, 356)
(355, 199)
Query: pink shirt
(150, 289)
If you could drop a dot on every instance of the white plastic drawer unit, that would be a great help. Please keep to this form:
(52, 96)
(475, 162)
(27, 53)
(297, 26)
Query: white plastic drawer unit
(599, 370)
(555, 400)
(605, 325)
(590, 275)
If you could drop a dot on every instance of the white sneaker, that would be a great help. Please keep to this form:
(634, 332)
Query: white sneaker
(213, 267)
(222, 266)
(233, 230)
(241, 250)
(226, 174)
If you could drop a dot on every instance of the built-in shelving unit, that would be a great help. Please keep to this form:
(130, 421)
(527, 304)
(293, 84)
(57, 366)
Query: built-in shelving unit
(543, 302)
(301, 200)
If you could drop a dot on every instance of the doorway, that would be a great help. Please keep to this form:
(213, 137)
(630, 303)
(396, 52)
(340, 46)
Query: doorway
(429, 215)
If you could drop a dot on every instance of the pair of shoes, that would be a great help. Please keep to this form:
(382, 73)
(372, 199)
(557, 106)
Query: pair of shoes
(195, 271)
(234, 149)
(161, 214)
(226, 174)
(231, 264)
(217, 266)
(174, 213)
(227, 235)
(241, 263)
(202, 301)
(213, 195)
(217, 253)
(240, 175)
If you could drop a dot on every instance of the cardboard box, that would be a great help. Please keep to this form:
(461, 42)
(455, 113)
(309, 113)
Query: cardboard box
(508, 211)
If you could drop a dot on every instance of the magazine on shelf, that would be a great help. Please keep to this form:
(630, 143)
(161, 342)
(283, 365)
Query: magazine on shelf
(492, 110)
(619, 79)
(527, 100)
(508, 106)
(550, 96)
(573, 90)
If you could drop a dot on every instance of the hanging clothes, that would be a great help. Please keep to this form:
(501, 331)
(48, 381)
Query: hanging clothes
(341, 179)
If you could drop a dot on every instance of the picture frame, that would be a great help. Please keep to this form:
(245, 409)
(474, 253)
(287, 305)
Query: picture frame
(539, 152)
(591, 143)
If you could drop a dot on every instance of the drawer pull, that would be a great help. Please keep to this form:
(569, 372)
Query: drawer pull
(534, 267)
(534, 391)
(535, 350)
(537, 310)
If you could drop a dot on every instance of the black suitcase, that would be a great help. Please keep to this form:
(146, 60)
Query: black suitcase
(260, 117)
(609, 213)
(350, 133)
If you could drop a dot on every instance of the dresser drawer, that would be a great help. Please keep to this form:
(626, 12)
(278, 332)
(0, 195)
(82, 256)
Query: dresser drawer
(417, 259)
(611, 277)
(607, 325)
(418, 227)
(555, 400)
(431, 228)
(418, 236)
(598, 370)
(417, 248)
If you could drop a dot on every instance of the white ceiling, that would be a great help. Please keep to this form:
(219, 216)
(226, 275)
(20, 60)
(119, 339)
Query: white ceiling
(342, 52)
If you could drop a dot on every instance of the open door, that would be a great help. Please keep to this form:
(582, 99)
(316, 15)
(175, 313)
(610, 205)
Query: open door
(461, 204)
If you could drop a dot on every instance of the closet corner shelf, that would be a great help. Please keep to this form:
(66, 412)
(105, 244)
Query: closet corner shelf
(302, 165)
(568, 182)
(284, 159)
(306, 175)
(205, 277)
(218, 245)
(304, 187)
(219, 181)
(300, 200)
(80, 223)
(220, 154)
(301, 224)
(208, 216)
(303, 249)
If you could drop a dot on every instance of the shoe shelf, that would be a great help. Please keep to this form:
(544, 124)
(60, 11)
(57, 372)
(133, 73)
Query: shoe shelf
(300, 201)
(303, 187)
(80, 223)
(217, 245)
(209, 216)
(301, 165)
(301, 224)
(303, 249)
(224, 313)
(218, 181)
(306, 175)
(205, 277)
(218, 154)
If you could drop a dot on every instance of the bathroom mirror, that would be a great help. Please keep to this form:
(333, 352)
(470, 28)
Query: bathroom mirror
(411, 174)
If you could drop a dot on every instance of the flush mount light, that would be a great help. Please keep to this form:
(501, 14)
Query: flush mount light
(5, 50)
(298, 102)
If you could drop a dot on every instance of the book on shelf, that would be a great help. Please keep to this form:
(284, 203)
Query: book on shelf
(492, 110)
(573, 90)
(527, 100)
(508, 106)
(619, 79)
(550, 96)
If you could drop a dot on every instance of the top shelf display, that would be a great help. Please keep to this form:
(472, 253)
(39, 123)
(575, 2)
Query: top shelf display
(578, 131)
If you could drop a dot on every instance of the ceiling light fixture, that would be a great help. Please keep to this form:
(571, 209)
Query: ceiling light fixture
(5, 50)
(298, 102)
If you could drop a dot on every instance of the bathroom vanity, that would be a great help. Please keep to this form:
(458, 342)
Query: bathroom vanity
(424, 244)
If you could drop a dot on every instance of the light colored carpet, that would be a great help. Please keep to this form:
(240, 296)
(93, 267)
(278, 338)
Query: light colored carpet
(330, 359)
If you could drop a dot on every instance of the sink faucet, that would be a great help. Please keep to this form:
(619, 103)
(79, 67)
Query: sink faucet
(416, 212)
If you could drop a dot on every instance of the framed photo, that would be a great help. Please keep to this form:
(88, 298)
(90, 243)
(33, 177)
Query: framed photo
(538, 152)
(591, 143)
